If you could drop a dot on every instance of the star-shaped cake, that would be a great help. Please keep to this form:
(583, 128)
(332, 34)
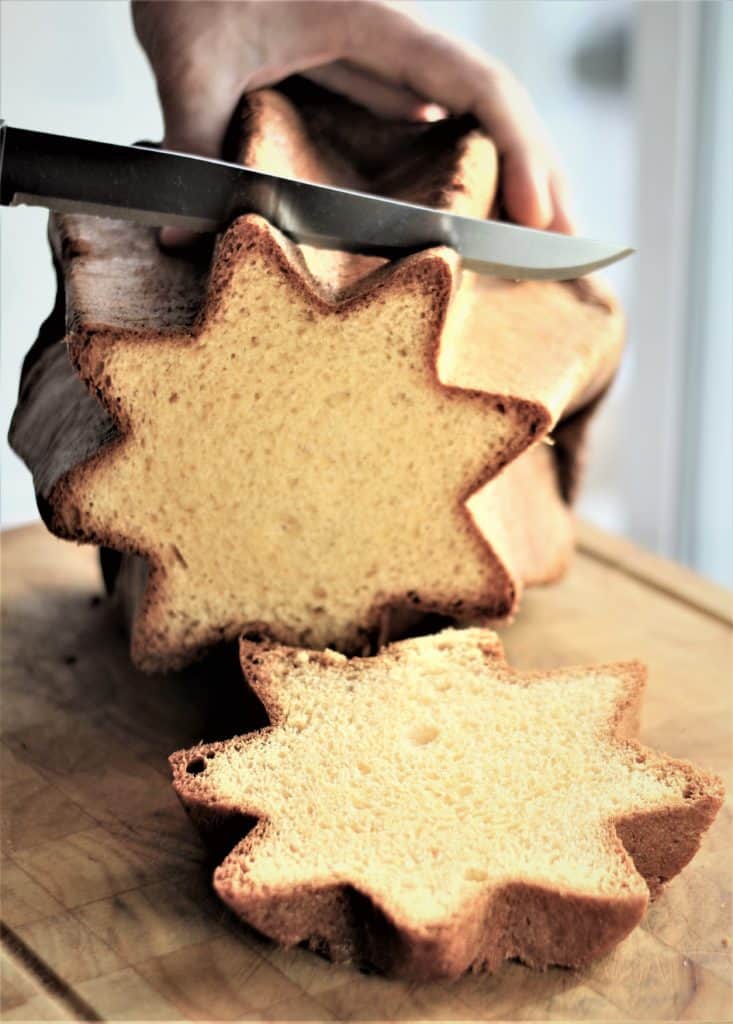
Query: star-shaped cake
(430, 810)
(315, 445)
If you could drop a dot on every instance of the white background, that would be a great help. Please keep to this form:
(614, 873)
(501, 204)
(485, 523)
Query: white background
(74, 67)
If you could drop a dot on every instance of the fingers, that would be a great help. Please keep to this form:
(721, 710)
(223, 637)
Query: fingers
(189, 46)
(390, 43)
(528, 168)
(535, 193)
(526, 188)
(205, 54)
(193, 124)
(382, 98)
(196, 111)
(563, 219)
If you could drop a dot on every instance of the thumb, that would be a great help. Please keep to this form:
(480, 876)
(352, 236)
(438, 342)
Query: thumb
(197, 105)
(196, 91)
(195, 121)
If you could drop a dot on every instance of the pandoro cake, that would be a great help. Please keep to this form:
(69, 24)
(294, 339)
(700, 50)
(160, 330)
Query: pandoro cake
(430, 810)
(320, 446)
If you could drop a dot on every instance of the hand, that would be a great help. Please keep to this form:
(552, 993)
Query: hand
(206, 53)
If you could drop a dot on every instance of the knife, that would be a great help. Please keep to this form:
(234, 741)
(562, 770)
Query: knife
(159, 187)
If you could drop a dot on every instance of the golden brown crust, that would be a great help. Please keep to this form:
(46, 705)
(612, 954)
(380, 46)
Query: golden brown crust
(663, 842)
(538, 924)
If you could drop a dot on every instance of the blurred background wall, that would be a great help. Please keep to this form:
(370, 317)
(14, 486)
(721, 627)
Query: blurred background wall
(637, 97)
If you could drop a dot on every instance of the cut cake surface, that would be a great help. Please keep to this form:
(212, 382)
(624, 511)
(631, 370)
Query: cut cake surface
(430, 810)
(302, 442)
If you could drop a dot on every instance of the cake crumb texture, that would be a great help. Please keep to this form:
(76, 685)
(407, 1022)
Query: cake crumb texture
(317, 445)
(430, 811)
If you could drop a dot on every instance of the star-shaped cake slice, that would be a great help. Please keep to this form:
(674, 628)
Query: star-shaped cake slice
(430, 810)
(310, 444)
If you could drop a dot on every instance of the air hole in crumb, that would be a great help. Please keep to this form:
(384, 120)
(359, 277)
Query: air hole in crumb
(211, 755)
(475, 875)
(423, 734)
(363, 767)
(70, 659)
(196, 766)
(689, 792)
(173, 397)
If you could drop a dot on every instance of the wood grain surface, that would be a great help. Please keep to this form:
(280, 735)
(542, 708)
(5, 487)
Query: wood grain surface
(106, 906)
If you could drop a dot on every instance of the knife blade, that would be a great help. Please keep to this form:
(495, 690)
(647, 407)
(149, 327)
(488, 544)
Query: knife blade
(160, 187)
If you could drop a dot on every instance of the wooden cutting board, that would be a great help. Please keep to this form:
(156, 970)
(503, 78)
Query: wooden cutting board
(106, 907)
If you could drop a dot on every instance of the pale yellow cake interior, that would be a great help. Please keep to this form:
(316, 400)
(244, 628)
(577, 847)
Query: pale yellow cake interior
(419, 779)
(295, 466)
